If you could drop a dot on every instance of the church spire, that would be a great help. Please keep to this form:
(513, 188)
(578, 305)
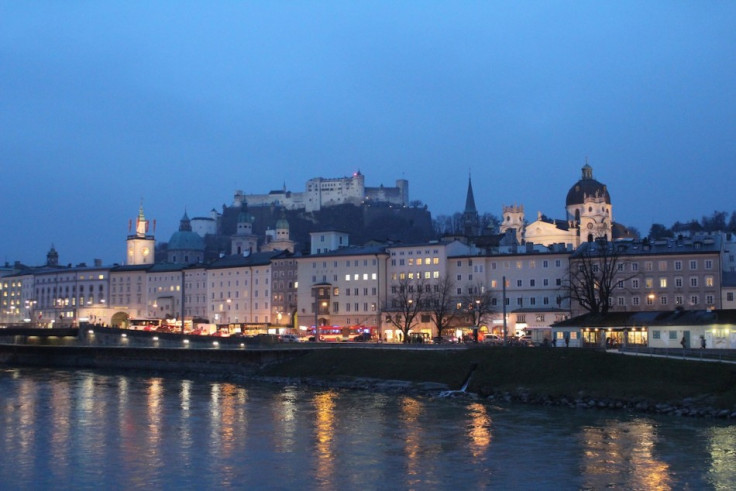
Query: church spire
(470, 219)
(469, 199)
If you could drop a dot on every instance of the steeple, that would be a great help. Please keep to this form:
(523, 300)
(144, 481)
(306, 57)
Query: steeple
(470, 220)
(469, 199)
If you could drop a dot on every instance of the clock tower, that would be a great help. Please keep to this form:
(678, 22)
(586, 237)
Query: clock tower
(140, 244)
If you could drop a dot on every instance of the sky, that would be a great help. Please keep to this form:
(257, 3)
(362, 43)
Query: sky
(178, 104)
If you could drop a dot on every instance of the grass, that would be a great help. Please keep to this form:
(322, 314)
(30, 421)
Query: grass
(552, 372)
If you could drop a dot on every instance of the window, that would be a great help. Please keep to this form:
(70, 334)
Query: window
(531, 282)
(650, 299)
(662, 265)
(648, 283)
(693, 264)
(673, 334)
(678, 265)
(663, 282)
(694, 281)
(663, 300)
(520, 318)
(729, 296)
(648, 266)
(634, 300)
(519, 283)
(678, 282)
(546, 282)
(635, 283)
(708, 281)
(656, 334)
(708, 264)
(634, 266)
(678, 300)
(709, 299)
(621, 301)
(693, 300)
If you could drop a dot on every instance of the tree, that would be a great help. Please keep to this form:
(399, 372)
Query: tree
(442, 304)
(408, 298)
(659, 231)
(490, 222)
(477, 303)
(596, 270)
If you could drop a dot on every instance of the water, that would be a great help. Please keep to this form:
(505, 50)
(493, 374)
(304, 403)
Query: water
(90, 430)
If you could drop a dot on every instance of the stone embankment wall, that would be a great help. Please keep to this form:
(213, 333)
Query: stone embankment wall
(214, 361)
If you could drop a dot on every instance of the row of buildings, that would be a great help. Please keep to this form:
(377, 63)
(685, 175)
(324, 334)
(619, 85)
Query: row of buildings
(493, 281)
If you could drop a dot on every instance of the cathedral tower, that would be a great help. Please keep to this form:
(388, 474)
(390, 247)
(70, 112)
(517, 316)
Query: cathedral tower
(140, 244)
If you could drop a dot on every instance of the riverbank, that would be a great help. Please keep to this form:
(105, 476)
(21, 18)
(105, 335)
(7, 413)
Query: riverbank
(561, 377)
(574, 377)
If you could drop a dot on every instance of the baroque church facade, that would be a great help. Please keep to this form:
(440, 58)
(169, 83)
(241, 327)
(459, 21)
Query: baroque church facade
(589, 215)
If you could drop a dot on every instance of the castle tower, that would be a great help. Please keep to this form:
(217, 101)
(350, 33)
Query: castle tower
(140, 244)
(513, 219)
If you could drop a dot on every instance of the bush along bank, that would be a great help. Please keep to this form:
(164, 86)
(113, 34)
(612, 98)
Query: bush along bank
(554, 377)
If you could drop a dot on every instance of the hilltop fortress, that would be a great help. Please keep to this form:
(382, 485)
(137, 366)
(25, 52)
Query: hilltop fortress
(325, 192)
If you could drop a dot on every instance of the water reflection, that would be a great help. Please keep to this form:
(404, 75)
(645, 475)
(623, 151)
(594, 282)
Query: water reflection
(85, 430)
(324, 405)
(411, 411)
(479, 431)
(722, 450)
(619, 449)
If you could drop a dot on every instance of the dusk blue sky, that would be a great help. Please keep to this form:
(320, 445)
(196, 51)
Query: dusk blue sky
(180, 104)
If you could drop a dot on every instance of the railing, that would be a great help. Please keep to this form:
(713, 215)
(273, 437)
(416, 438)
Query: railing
(688, 353)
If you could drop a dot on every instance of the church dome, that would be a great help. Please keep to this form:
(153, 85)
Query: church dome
(183, 240)
(587, 186)
(245, 217)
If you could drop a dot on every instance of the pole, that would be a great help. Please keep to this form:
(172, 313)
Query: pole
(183, 292)
(316, 315)
(503, 300)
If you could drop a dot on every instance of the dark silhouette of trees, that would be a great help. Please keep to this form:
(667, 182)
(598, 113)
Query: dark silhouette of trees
(442, 304)
(408, 298)
(595, 272)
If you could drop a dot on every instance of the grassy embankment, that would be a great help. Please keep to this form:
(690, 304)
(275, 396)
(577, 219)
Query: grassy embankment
(545, 372)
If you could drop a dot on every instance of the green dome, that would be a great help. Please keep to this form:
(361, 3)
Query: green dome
(184, 240)
(282, 223)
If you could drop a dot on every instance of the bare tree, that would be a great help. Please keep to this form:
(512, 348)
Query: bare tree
(408, 298)
(596, 270)
(477, 303)
(442, 304)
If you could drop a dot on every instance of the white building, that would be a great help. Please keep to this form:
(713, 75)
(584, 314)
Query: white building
(324, 192)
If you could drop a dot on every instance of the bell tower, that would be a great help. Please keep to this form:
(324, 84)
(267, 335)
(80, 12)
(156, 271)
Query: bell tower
(513, 218)
(140, 244)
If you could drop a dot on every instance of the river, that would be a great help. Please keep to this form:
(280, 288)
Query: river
(90, 430)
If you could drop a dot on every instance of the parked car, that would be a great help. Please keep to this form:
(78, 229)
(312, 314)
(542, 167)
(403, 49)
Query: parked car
(492, 339)
(364, 336)
(288, 338)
